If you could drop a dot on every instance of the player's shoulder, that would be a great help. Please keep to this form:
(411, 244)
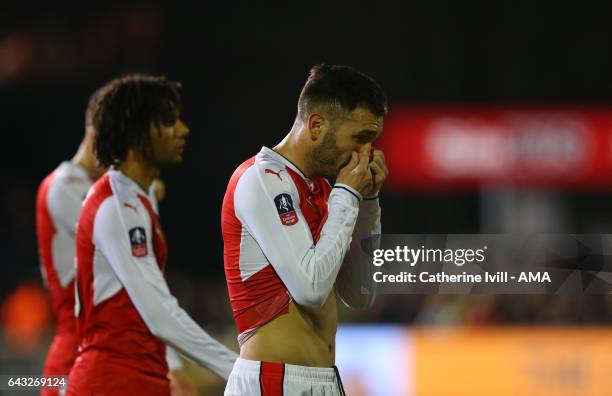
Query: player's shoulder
(44, 186)
(66, 186)
(96, 195)
(271, 167)
(71, 176)
(265, 171)
(112, 219)
(101, 189)
(256, 164)
(266, 159)
(124, 188)
(116, 202)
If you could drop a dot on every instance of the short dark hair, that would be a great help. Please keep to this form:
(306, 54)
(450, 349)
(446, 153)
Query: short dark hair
(123, 116)
(341, 87)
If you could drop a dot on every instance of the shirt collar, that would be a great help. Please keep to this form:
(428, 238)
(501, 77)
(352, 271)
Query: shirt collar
(279, 157)
(127, 181)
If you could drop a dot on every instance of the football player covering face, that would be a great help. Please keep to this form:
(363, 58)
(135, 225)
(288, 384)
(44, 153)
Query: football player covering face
(341, 151)
(349, 136)
(292, 221)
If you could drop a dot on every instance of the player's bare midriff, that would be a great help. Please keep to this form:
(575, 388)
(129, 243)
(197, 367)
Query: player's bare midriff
(304, 336)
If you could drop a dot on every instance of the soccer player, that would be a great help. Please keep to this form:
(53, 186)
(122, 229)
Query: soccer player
(58, 204)
(289, 216)
(125, 312)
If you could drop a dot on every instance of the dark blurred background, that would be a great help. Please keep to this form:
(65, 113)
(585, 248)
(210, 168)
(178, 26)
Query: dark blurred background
(242, 65)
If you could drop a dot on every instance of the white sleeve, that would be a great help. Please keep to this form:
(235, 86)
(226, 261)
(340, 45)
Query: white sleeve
(118, 233)
(173, 359)
(269, 208)
(355, 285)
(64, 201)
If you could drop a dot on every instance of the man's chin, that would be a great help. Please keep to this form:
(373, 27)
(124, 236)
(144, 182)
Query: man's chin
(172, 161)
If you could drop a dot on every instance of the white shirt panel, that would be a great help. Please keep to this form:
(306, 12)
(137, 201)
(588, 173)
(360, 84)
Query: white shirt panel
(252, 259)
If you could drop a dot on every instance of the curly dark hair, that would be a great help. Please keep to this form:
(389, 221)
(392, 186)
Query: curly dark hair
(125, 110)
(340, 88)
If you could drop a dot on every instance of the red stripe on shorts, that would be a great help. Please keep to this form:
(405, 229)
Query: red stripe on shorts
(271, 376)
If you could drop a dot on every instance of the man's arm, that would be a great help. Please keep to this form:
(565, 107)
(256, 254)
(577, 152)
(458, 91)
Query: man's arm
(139, 273)
(355, 285)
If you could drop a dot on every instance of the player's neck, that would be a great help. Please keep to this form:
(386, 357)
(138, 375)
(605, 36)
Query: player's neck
(85, 158)
(290, 148)
(89, 164)
(139, 170)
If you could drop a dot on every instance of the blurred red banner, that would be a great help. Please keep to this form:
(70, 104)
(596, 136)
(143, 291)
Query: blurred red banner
(469, 147)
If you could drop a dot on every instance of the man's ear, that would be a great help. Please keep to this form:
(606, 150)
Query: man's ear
(154, 129)
(317, 125)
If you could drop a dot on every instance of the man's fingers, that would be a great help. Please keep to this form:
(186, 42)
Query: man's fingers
(379, 173)
(378, 156)
(380, 163)
(379, 159)
(364, 160)
(378, 153)
(366, 149)
(354, 160)
(376, 168)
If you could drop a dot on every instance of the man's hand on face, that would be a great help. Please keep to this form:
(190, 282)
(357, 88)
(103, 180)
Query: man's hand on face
(378, 168)
(357, 173)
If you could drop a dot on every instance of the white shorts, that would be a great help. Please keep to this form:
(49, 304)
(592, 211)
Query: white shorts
(254, 378)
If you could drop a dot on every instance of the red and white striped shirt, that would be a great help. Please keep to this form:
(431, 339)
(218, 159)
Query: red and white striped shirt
(286, 237)
(126, 313)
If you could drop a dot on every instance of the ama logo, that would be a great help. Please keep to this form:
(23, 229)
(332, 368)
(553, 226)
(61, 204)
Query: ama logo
(286, 211)
(138, 240)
